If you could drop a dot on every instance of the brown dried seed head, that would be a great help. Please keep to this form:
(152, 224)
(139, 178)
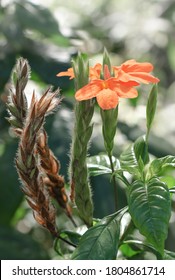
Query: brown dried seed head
(42, 140)
(27, 124)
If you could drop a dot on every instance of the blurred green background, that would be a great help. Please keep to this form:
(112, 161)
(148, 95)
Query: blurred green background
(49, 34)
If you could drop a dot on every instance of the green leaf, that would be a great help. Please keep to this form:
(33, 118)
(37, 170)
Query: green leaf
(106, 60)
(80, 66)
(135, 157)
(150, 209)
(101, 241)
(157, 166)
(127, 251)
(98, 165)
(142, 246)
(151, 108)
(169, 180)
(36, 17)
(172, 190)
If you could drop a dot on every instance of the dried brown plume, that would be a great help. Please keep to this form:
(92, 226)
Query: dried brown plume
(36, 164)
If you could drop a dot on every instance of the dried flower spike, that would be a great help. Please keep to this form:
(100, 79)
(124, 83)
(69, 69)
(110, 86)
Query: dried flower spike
(17, 101)
(50, 167)
(36, 165)
(27, 164)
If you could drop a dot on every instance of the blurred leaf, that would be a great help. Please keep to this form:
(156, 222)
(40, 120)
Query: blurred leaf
(98, 165)
(35, 17)
(127, 251)
(168, 255)
(7, 61)
(11, 195)
(150, 209)
(17, 246)
(157, 166)
(20, 213)
(169, 181)
(134, 157)
(57, 248)
(158, 146)
(151, 108)
(60, 40)
(142, 255)
(144, 248)
(47, 61)
(170, 54)
(101, 241)
(172, 190)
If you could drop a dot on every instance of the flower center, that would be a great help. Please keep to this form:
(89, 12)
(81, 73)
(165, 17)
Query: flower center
(105, 85)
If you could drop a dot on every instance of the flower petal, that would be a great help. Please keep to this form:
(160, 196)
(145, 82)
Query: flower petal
(145, 78)
(90, 90)
(69, 73)
(106, 73)
(112, 83)
(94, 72)
(107, 99)
(126, 92)
(139, 77)
(134, 66)
(122, 76)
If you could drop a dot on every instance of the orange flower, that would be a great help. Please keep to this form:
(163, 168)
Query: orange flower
(69, 73)
(107, 92)
(132, 70)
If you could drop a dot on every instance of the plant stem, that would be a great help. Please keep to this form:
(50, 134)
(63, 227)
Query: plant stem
(57, 236)
(114, 183)
(66, 241)
(73, 221)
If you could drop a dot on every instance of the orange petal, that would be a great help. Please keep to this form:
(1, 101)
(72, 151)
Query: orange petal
(139, 77)
(122, 76)
(129, 62)
(97, 67)
(107, 73)
(134, 66)
(89, 91)
(144, 78)
(107, 99)
(114, 83)
(94, 72)
(126, 92)
(69, 73)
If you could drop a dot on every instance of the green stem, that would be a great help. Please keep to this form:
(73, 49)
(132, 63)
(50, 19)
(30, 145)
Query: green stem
(67, 242)
(58, 237)
(109, 126)
(84, 110)
(114, 183)
(72, 221)
(80, 186)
